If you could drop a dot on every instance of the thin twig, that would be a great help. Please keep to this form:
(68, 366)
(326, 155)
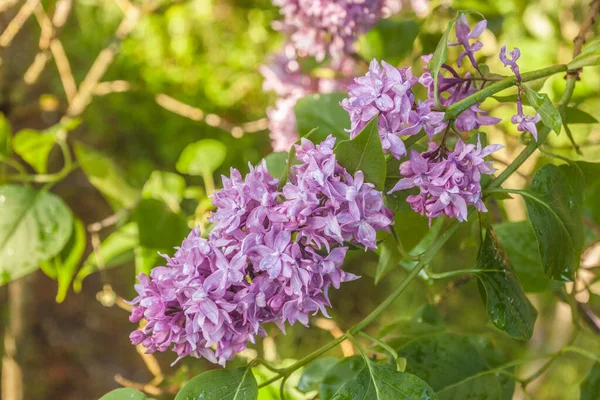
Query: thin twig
(144, 387)
(195, 114)
(335, 331)
(15, 25)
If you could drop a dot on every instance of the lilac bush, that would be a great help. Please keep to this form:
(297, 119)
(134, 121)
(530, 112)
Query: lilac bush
(271, 257)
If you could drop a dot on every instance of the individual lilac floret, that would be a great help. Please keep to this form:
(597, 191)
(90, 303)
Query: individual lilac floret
(525, 123)
(271, 257)
(512, 61)
(447, 182)
(326, 27)
(387, 91)
(464, 35)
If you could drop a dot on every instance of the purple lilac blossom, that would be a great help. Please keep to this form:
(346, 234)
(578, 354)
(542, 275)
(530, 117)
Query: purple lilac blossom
(464, 35)
(271, 257)
(447, 182)
(387, 91)
(525, 123)
(326, 27)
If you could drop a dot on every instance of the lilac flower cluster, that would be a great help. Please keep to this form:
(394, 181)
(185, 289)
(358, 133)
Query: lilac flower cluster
(525, 123)
(271, 257)
(326, 27)
(447, 183)
(284, 77)
(387, 91)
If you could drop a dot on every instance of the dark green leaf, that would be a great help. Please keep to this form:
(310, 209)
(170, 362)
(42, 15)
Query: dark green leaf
(115, 250)
(588, 57)
(322, 111)
(166, 186)
(34, 226)
(314, 373)
(484, 387)
(106, 177)
(520, 245)
(34, 147)
(382, 42)
(221, 384)
(543, 105)
(382, 382)
(276, 163)
(507, 306)
(554, 209)
(339, 374)
(364, 153)
(124, 394)
(590, 387)
(158, 226)
(450, 364)
(576, 116)
(202, 157)
(426, 321)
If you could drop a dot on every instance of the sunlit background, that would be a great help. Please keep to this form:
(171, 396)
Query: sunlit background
(175, 72)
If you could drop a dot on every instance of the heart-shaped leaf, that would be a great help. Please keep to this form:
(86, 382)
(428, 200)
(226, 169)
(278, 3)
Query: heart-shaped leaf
(323, 112)
(202, 157)
(34, 147)
(34, 226)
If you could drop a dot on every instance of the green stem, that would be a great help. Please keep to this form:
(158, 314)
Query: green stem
(381, 343)
(455, 109)
(449, 274)
(68, 166)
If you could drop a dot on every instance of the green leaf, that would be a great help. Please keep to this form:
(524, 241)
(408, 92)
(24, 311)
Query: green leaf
(339, 374)
(34, 147)
(590, 387)
(106, 177)
(64, 265)
(364, 153)
(5, 133)
(449, 364)
(383, 382)
(116, 249)
(382, 42)
(221, 384)
(166, 186)
(554, 209)
(322, 111)
(124, 394)
(426, 321)
(589, 56)
(507, 306)
(440, 55)
(276, 163)
(389, 257)
(34, 226)
(158, 226)
(520, 245)
(314, 373)
(576, 116)
(146, 259)
(543, 105)
(202, 157)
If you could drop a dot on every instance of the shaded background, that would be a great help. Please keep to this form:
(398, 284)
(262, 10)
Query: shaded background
(200, 58)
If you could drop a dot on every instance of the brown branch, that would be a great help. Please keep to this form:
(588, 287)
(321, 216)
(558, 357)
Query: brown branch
(7, 4)
(585, 27)
(335, 331)
(15, 25)
(196, 114)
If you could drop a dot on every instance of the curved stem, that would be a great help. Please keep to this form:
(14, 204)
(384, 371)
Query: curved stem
(449, 274)
(381, 343)
(455, 109)
(403, 252)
